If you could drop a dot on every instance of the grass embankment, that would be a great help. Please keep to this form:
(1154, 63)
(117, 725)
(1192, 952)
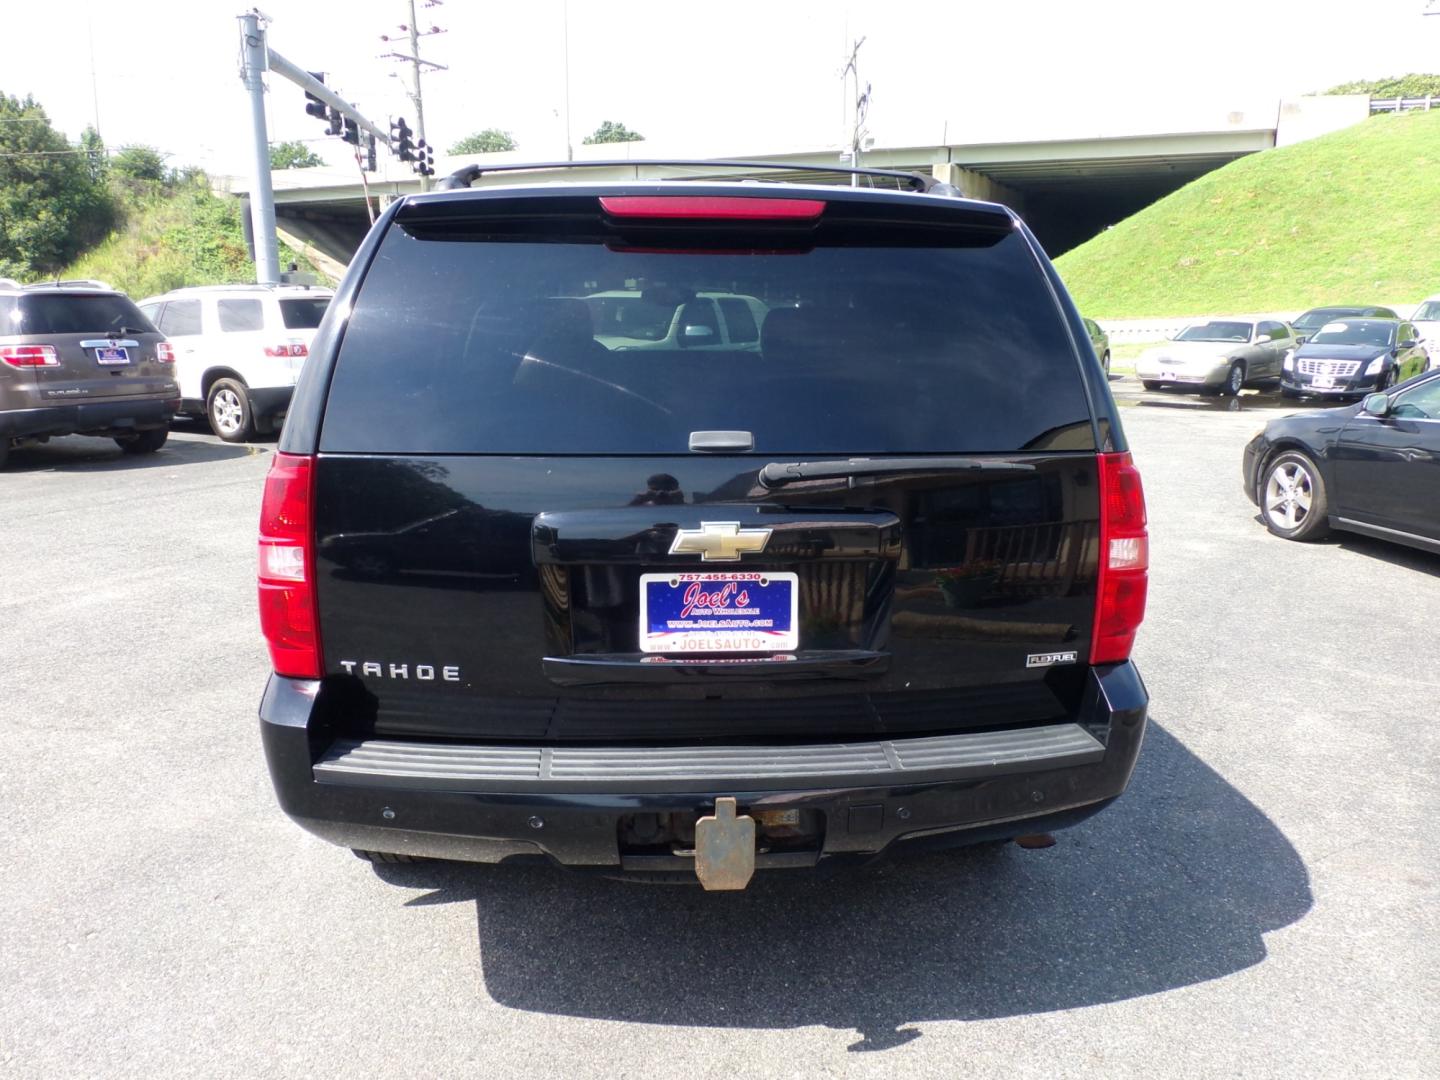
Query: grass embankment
(1348, 217)
(173, 237)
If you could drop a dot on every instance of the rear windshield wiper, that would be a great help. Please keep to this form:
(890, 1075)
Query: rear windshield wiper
(779, 473)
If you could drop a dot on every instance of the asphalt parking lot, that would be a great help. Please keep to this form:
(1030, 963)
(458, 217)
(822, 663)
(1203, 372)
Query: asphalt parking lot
(1262, 903)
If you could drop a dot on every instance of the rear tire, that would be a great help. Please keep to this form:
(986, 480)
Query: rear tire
(381, 857)
(1151, 384)
(143, 442)
(227, 407)
(1293, 499)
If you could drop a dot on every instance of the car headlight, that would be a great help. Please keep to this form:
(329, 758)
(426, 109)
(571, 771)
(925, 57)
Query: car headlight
(1376, 366)
(1289, 364)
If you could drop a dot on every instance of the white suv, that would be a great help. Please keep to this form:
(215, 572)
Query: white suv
(238, 350)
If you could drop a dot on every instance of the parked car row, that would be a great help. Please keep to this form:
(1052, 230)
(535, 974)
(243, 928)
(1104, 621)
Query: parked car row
(80, 358)
(1326, 352)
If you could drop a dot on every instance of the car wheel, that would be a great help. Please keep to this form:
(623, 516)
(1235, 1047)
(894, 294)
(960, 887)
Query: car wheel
(229, 412)
(1105, 363)
(1234, 379)
(386, 857)
(1386, 380)
(1150, 384)
(143, 442)
(1292, 498)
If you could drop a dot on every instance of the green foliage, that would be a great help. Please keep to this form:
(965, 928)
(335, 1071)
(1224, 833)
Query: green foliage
(1348, 217)
(51, 205)
(610, 131)
(173, 237)
(489, 141)
(139, 163)
(293, 155)
(1410, 86)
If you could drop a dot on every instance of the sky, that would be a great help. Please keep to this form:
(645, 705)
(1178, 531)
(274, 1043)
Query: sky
(699, 78)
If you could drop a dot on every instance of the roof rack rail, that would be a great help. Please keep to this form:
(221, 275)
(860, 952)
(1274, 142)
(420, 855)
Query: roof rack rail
(464, 177)
(73, 283)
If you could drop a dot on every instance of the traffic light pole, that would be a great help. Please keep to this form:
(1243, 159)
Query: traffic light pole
(256, 58)
(262, 195)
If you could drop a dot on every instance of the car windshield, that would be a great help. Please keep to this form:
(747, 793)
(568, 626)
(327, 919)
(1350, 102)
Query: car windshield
(67, 313)
(1355, 333)
(1217, 331)
(1428, 311)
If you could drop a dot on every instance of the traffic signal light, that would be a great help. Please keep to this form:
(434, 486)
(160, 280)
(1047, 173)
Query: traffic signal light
(424, 159)
(369, 152)
(400, 143)
(352, 131)
(337, 122)
(313, 105)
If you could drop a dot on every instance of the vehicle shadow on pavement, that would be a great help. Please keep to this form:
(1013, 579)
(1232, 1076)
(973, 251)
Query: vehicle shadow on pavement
(72, 454)
(1176, 884)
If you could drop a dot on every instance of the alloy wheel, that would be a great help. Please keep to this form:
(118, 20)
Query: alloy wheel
(1289, 492)
(226, 411)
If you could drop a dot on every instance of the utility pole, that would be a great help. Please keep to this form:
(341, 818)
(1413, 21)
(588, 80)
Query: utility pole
(861, 109)
(569, 146)
(416, 64)
(253, 64)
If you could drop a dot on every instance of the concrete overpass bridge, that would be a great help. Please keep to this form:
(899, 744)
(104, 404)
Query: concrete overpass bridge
(1069, 185)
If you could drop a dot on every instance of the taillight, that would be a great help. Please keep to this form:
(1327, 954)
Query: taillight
(164, 352)
(711, 207)
(1124, 560)
(29, 355)
(291, 349)
(287, 568)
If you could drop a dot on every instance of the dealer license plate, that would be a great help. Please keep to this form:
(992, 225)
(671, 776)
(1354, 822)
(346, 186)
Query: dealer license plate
(1324, 382)
(719, 612)
(116, 354)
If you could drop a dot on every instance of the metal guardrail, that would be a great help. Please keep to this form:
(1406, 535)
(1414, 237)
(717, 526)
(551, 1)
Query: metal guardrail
(1382, 105)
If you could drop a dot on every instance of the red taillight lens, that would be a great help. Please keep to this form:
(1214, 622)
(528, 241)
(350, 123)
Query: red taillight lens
(711, 207)
(1124, 560)
(292, 349)
(29, 355)
(165, 352)
(287, 568)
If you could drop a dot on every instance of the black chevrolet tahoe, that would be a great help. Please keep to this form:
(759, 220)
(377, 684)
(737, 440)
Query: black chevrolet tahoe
(866, 581)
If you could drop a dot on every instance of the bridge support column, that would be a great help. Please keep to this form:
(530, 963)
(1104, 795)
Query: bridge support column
(976, 185)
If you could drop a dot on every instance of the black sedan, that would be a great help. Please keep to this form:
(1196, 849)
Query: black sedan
(1371, 468)
(1310, 321)
(1351, 357)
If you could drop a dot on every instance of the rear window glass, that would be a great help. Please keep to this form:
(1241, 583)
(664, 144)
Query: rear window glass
(180, 317)
(478, 345)
(304, 314)
(51, 313)
(240, 316)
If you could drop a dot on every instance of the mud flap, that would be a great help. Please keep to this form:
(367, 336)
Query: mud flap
(725, 848)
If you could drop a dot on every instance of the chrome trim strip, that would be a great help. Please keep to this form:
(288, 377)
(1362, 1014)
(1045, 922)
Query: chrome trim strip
(107, 343)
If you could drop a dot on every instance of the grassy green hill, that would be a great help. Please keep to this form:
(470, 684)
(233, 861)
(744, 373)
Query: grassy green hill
(1350, 216)
(169, 237)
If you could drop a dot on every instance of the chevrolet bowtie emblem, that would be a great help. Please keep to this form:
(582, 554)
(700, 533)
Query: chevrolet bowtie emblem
(719, 541)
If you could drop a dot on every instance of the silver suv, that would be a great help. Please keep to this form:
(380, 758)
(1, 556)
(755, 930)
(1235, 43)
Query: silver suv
(78, 358)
